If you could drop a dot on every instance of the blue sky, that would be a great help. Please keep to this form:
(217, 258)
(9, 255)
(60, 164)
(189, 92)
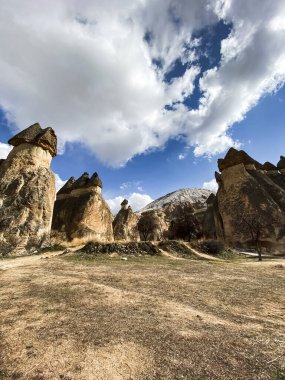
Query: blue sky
(151, 99)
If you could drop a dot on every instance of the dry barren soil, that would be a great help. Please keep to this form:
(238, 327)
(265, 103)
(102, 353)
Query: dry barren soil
(80, 317)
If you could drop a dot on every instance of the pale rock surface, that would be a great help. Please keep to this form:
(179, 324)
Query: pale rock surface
(245, 188)
(125, 224)
(80, 212)
(27, 191)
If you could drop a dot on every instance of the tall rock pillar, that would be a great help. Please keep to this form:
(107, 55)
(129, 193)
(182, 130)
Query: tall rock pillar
(27, 191)
(80, 212)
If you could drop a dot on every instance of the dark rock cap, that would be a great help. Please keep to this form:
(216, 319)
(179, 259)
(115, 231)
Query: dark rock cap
(45, 138)
(281, 163)
(235, 157)
(211, 199)
(66, 188)
(82, 181)
(268, 166)
(95, 181)
(125, 202)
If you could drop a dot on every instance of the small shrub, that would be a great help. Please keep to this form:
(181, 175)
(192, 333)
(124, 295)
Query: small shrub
(51, 248)
(211, 246)
(279, 374)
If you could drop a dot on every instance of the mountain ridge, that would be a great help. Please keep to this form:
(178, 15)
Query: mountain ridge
(196, 196)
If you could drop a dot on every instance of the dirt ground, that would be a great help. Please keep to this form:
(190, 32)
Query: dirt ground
(67, 317)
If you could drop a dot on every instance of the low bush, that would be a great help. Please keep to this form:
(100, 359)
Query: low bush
(211, 246)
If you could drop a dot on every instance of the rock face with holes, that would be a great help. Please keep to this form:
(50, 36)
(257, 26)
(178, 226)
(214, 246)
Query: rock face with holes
(80, 212)
(251, 196)
(125, 224)
(27, 191)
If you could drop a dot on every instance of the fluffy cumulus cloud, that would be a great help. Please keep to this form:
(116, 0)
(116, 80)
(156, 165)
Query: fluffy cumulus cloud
(98, 72)
(211, 185)
(136, 200)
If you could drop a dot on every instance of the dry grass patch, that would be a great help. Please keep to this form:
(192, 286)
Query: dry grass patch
(145, 318)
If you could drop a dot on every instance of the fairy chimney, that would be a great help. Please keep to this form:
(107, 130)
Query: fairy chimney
(27, 191)
(80, 212)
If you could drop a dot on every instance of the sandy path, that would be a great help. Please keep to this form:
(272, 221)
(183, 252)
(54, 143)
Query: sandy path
(26, 260)
(200, 254)
(170, 256)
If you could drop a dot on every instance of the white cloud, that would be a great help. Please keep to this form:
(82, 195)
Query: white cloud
(136, 200)
(85, 69)
(115, 204)
(181, 156)
(4, 150)
(211, 185)
(136, 185)
(58, 182)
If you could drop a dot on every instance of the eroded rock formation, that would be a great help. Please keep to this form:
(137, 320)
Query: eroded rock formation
(171, 221)
(125, 224)
(27, 191)
(80, 212)
(249, 195)
(209, 228)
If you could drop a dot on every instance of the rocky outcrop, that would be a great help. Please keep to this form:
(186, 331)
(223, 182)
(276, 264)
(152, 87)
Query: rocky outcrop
(209, 229)
(177, 215)
(171, 221)
(27, 191)
(125, 224)
(281, 165)
(250, 197)
(80, 212)
(35, 135)
(121, 249)
(152, 225)
(235, 157)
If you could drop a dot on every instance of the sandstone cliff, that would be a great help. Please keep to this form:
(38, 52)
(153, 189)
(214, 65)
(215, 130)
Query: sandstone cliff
(80, 212)
(27, 191)
(251, 196)
(125, 224)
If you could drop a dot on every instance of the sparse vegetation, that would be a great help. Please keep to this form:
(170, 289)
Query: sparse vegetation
(147, 226)
(51, 248)
(255, 223)
(279, 374)
(94, 316)
(211, 246)
(123, 248)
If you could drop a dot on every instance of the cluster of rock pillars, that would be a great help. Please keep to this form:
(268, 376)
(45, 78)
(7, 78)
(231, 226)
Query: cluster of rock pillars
(31, 217)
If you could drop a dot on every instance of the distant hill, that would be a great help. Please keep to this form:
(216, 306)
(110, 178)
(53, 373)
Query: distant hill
(197, 198)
